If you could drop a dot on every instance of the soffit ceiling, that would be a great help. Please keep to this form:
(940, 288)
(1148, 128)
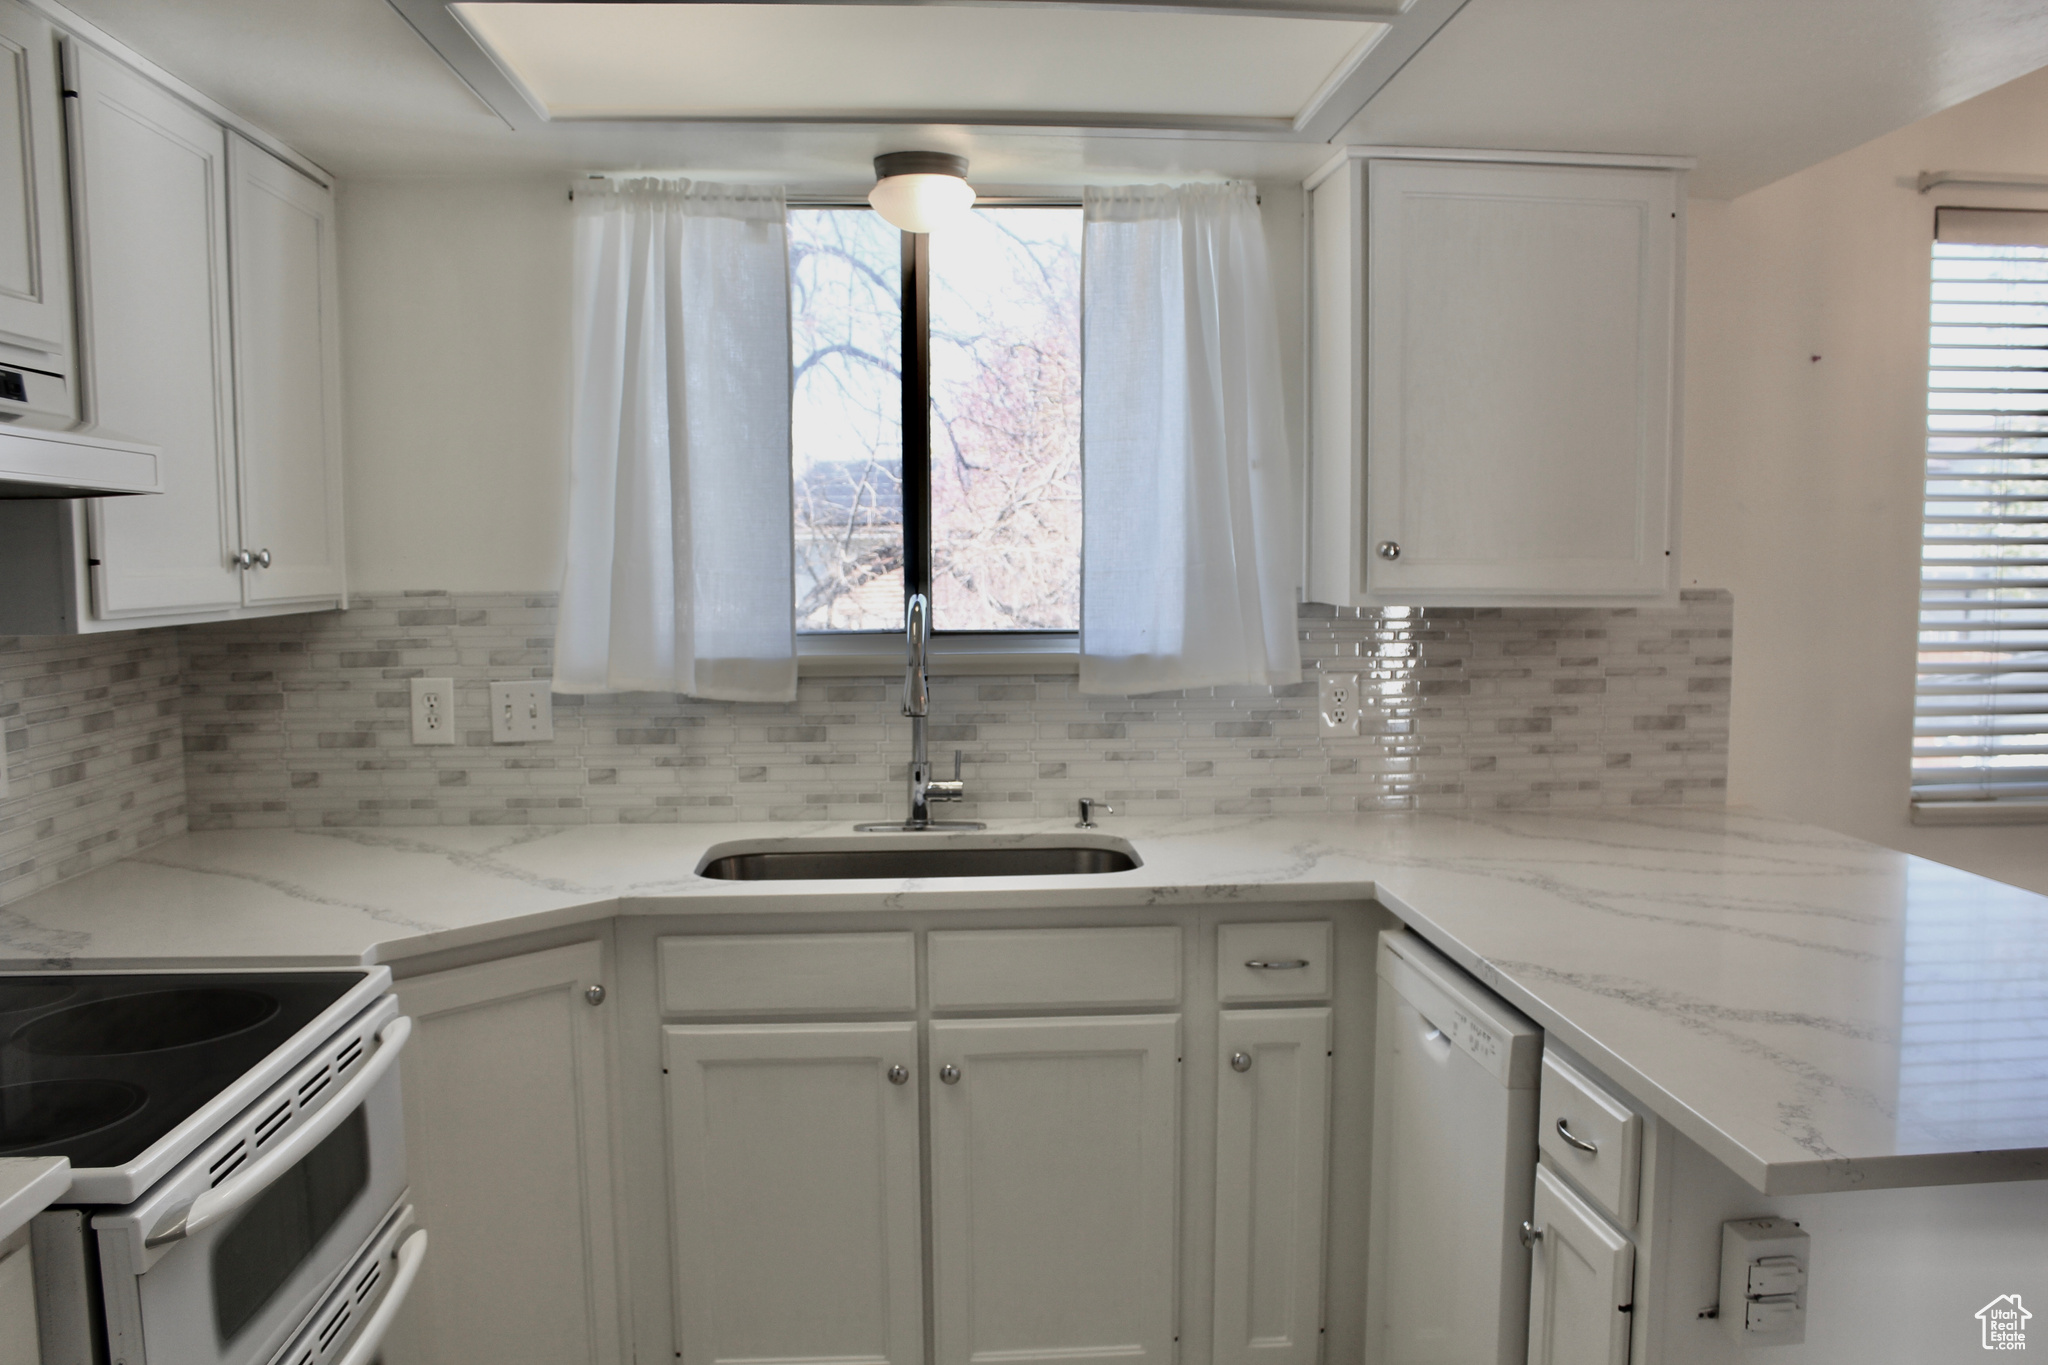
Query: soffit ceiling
(1755, 89)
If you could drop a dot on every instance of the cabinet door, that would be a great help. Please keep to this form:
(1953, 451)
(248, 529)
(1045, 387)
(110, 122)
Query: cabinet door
(35, 257)
(1519, 380)
(508, 1142)
(1272, 1139)
(1581, 1281)
(19, 1344)
(149, 184)
(793, 1163)
(287, 376)
(1054, 1153)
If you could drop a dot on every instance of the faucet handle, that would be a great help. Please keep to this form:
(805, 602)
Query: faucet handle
(955, 790)
(1089, 805)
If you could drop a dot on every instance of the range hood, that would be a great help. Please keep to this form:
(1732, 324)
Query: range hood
(65, 464)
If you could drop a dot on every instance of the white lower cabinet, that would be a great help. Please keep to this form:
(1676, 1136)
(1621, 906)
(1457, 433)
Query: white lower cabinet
(508, 1143)
(793, 1155)
(1054, 1175)
(851, 1180)
(1272, 1136)
(1581, 1281)
(19, 1344)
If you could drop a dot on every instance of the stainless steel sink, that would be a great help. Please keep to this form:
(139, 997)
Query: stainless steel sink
(789, 865)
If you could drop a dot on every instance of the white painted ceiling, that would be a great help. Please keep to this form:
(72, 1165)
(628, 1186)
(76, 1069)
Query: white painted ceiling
(1756, 89)
(720, 60)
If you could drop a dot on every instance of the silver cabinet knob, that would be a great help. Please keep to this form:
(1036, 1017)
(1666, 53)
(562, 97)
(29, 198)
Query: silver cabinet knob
(263, 558)
(1276, 964)
(1388, 549)
(1531, 1234)
(1240, 1061)
(1574, 1140)
(595, 995)
(899, 1075)
(950, 1074)
(242, 559)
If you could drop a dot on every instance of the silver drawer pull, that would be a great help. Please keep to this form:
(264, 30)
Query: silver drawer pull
(1240, 1061)
(1531, 1234)
(950, 1074)
(1574, 1139)
(1277, 964)
(899, 1075)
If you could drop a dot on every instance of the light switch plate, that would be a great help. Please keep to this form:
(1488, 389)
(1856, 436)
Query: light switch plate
(521, 712)
(1337, 703)
(433, 710)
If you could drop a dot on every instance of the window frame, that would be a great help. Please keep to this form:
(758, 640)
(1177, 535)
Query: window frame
(857, 652)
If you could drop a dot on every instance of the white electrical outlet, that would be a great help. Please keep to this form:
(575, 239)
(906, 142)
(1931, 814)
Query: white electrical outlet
(433, 710)
(1764, 1263)
(521, 712)
(1337, 700)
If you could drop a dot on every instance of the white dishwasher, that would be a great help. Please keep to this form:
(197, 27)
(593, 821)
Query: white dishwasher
(1455, 1076)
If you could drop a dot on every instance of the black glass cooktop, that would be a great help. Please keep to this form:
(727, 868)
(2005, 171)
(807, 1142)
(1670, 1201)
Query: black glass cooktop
(96, 1068)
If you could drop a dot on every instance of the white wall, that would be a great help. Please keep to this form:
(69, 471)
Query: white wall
(455, 327)
(1805, 440)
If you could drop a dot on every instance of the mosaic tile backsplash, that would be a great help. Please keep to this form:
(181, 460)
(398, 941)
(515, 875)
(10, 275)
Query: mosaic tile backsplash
(304, 721)
(94, 750)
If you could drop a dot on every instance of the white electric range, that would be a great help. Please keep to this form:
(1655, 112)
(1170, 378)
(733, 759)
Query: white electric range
(237, 1146)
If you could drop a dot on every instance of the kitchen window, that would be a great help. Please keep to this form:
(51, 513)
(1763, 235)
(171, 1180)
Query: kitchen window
(936, 420)
(1980, 743)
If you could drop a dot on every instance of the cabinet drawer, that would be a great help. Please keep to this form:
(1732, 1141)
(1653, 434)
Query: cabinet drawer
(1278, 947)
(1572, 1104)
(788, 973)
(1001, 968)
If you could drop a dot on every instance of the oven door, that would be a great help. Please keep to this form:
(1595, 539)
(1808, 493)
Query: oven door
(221, 1263)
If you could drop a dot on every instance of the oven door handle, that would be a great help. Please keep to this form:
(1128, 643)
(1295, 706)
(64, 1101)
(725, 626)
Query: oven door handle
(231, 1194)
(363, 1349)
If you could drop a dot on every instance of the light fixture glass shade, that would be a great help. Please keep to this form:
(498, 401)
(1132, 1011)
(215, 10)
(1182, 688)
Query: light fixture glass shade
(921, 202)
(920, 191)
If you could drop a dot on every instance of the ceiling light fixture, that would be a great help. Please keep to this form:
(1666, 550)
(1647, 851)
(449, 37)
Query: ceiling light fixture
(921, 191)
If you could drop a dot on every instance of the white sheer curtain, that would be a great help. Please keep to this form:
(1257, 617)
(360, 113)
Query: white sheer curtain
(1188, 557)
(679, 564)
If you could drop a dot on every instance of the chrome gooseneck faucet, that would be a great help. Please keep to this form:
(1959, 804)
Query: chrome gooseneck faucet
(917, 699)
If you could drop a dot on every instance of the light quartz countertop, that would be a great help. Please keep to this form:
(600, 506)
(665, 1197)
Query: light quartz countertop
(1816, 1012)
(28, 1185)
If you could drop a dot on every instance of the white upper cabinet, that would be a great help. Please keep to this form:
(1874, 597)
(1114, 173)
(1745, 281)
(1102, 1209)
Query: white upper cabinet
(208, 331)
(150, 187)
(287, 376)
(1494, 379)
(36, 356)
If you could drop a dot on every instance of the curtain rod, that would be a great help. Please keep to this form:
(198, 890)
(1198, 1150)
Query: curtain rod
(1990, 179)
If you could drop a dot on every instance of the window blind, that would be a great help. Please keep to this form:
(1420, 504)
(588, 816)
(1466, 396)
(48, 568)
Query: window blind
(1980, 741)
